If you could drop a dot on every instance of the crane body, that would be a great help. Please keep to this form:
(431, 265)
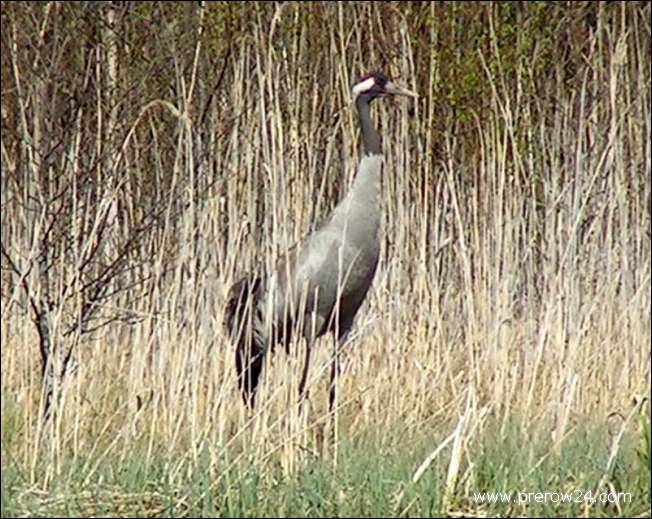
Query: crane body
(320, 283)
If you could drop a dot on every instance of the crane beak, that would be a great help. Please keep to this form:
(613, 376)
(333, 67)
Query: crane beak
(394, 89)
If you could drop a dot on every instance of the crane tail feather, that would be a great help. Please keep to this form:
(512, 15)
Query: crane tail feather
(245, 326)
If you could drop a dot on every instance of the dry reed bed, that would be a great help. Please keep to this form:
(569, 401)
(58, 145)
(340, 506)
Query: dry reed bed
(514, 280)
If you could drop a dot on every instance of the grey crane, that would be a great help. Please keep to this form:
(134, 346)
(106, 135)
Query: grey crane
(320, 283)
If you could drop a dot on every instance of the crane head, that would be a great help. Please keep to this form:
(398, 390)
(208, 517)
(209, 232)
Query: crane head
(378, 84)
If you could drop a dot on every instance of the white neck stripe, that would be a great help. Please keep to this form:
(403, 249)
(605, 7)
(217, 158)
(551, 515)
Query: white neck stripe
(363, 86)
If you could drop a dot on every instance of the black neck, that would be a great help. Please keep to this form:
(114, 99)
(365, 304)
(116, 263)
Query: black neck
(370, 136)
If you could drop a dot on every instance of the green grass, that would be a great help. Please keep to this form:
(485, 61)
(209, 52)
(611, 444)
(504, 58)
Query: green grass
(373, 478)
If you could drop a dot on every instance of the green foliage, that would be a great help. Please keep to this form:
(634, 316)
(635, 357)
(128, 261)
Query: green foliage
(643, 451)
(372, 479)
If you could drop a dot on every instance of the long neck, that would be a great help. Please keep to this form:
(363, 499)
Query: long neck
(362, 202)
(359, 210)
(370, 136)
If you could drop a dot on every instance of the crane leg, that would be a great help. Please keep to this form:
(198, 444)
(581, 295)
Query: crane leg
(249, 367)
(304, 374)
(335, 370)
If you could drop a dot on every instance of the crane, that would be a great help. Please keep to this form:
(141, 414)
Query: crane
(320, 283)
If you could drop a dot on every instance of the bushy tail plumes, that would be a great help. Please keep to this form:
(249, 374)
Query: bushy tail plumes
(244, 323)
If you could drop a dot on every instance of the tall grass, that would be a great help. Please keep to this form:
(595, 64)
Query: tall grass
(513, 287)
